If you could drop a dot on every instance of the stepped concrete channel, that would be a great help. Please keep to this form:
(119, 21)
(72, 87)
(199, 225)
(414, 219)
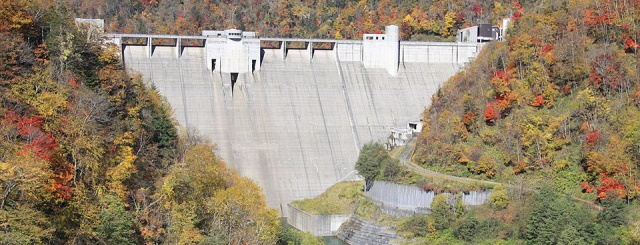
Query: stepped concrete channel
(358, 231)
(296, 120)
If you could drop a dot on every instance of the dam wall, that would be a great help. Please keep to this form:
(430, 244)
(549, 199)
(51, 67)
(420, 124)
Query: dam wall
(295, 121)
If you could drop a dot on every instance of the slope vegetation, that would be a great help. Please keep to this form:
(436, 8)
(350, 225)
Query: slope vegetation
(90, 155)
(347, 19)
(554, 107)
(557, 101)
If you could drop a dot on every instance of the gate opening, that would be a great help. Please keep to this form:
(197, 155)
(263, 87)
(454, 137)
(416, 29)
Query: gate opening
(234, 78)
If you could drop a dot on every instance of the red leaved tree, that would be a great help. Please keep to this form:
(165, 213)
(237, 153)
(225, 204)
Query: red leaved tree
(538, 102)
(606, 74)
(43, 145)
(630, 46)
(593, 137)
(610, 188)
(476, 9)
(490, 114)
(518, 11)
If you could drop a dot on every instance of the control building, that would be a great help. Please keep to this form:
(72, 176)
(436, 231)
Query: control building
(232, 51)
(478, 34)
(382, 50)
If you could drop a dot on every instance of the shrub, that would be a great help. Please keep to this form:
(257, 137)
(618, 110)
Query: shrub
(441, 212)
(370, 161)
(466, 229)
(499, 197)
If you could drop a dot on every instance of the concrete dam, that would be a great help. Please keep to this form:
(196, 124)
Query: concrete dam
(294, 119)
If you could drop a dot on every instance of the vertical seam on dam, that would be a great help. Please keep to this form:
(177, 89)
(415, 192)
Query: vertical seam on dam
(369, 90)
(324, 122)
(304, 162)
(184, 96)
(348, 105)
(266, 104)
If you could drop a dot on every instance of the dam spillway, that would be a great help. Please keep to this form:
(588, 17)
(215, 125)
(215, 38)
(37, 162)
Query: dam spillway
(295, 123)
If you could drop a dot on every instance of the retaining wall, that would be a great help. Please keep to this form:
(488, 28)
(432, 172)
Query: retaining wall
(409, 199)
(318, 225)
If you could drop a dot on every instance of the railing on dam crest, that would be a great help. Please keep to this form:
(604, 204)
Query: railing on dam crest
(234, 51)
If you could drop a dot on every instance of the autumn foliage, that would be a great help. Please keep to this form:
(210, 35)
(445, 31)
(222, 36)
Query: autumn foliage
(538, 102)
(85, 146)
(559, 97)
(468, 119)
(518, 11)
(605, 73)
(593, 137)
(630, 45)
(610, 188)
(491, 114)
(30, 128)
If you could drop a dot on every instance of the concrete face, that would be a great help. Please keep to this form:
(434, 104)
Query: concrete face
(318, 225)
(349, 51)
(417, 200)
(503, 28)
(444, 53)
(469, 34)
(382, 50)
(294, 126)
(232, 51)
(93, 26)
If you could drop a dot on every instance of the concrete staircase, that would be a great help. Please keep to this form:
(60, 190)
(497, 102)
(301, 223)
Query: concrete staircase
(357, 231)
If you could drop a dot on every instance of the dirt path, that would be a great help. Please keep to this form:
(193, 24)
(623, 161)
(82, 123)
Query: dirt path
(405, 159)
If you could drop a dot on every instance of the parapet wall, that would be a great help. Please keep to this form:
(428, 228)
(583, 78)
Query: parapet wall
(234, 51)
(438, 52)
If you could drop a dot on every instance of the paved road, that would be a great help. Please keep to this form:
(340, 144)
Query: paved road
(405, 159)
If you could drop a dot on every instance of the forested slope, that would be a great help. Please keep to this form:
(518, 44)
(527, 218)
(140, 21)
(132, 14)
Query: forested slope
(90, 155)
(554, 107)
(557, 103)
(347, 19)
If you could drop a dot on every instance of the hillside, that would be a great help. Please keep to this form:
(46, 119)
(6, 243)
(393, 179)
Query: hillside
(347, 19)
(90, 155)
(555, 105)
(558, 99)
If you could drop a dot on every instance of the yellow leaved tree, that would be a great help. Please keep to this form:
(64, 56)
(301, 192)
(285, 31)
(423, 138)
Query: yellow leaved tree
(125, 167)
(209, 203)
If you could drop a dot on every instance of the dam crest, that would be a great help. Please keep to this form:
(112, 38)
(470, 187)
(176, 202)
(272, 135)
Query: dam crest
(292, 113)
